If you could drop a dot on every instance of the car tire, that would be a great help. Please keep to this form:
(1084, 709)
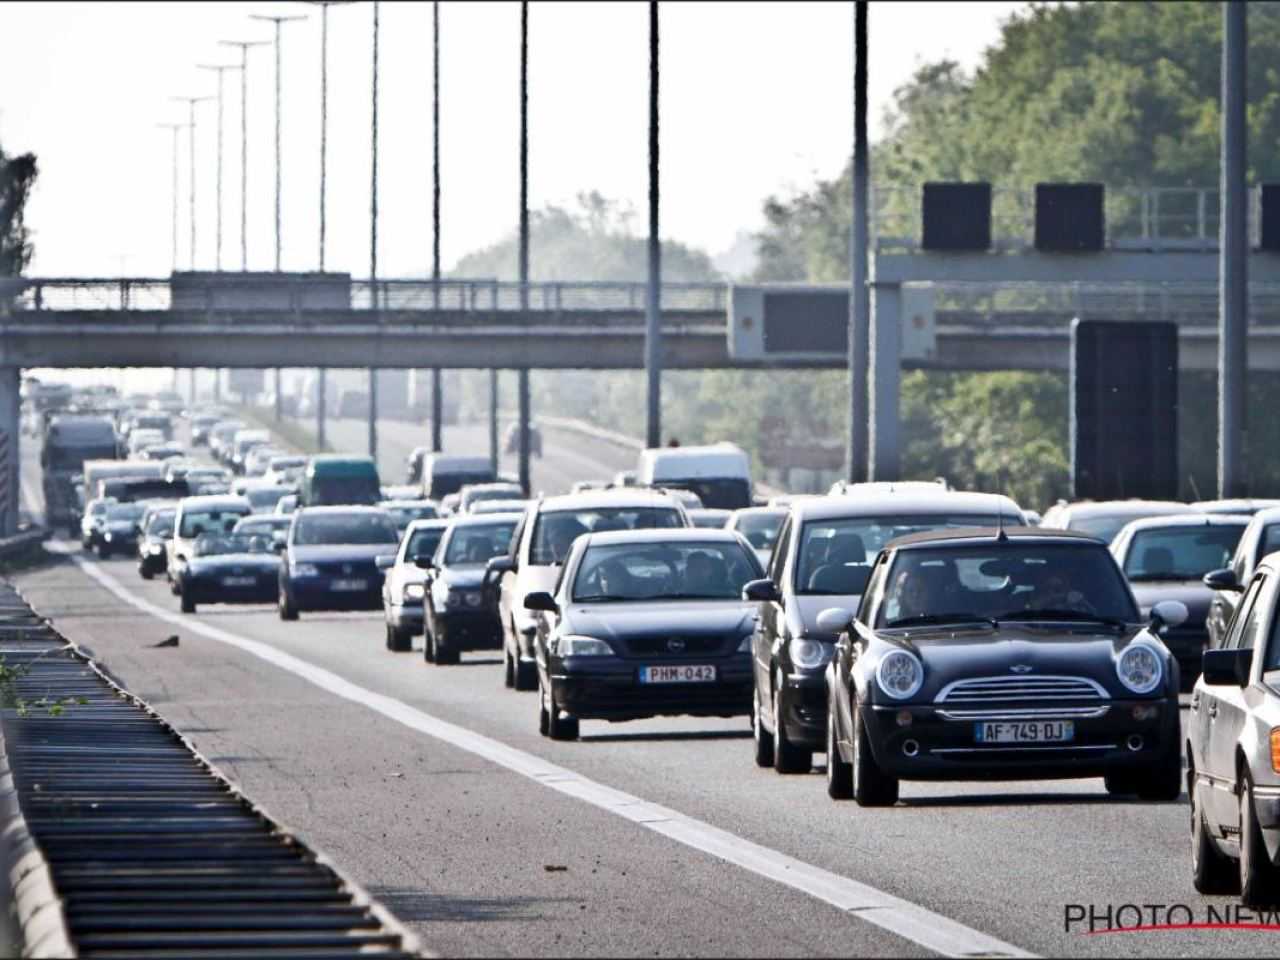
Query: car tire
(872, 787)
(787, 757)
(1259, 878)
(839, 771)
(560, 728)
(287, 610)
(763, 738)
(1121, 783)
(104, 552)
(188, 604)
(429, 647)
(145, 572)
(1163, 782)
(1212, 872)
(445, 657)
(526, 675)
(398, 641)
(544, 717)
(508, 669)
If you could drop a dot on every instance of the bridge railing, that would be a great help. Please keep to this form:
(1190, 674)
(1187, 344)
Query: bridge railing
(291, 295)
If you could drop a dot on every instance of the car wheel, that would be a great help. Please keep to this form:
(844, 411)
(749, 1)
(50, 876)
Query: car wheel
(103, 551)
(1163, 783)
(839, 772)
(445, 657)
(787, 757)
(1121, 783)
(145, 572)
(1212, 871)
(763, 738)
(1259, 878)
(560, 728)
(429, 647)
(508, 669)
(526, 675)
(872, 787)
(397, 640)
(287, 610)
(188, 604)
(544, 715)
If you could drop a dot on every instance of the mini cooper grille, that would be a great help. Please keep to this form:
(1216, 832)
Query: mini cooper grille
(1024, 687)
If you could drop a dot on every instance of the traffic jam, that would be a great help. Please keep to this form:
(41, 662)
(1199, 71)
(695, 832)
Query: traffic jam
(902, 631)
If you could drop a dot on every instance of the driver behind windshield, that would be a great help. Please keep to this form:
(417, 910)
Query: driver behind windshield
(1052, 591)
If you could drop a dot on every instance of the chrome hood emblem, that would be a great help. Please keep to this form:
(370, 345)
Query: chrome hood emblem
(1020, 668)
(675, 645)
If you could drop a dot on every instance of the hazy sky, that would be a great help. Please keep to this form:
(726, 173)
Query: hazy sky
(756, 99)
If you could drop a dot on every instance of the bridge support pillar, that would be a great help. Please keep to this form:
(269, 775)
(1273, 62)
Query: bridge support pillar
(10, 431)
(523, 391)
(321, 410)
(886, 381)
(437, 412)
(373, 414)
(279, 403)
(493, 419)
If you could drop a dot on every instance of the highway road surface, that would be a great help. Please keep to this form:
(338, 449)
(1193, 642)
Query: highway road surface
(432, 787)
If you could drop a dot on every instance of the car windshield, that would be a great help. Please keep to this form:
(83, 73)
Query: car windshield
(1103, 527)
(263, 525)
(1005, 581)
(265, 496)
(196, 522)
(835, 555)
(760, 529)
(443, 484)
(344, 528)
(160, 525)
(406, 515)
(1180, 553)
(125, 512)
(478, 543)
(555, 530)
(622, 572)
(423, 543)
(722, 494)
(508, 491)
(339, 490)
(212, 544)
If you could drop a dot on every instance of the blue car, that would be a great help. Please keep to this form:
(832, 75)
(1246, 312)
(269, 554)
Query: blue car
(330, 559)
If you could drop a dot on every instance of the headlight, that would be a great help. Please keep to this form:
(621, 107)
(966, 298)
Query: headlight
(107, 535)
(414, 591)
(305, 570)
(571, 646)
(156, 549)
(808, 654)
(462, 598)
(1139, 668)
(899, 675)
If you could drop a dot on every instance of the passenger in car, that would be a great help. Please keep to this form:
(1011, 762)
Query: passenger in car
(1053, 592)
(707, 576)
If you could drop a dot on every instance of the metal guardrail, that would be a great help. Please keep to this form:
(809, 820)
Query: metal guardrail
(151, 852)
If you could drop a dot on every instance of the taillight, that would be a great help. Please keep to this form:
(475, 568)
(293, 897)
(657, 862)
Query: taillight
(1275, 749)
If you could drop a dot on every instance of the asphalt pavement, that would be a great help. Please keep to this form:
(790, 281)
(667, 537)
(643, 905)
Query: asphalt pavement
(432, 787)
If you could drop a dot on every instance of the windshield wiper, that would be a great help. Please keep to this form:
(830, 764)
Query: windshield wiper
(1075, 616)
(690, 596)
(1169, 575)
(598, 598)
(936, 618)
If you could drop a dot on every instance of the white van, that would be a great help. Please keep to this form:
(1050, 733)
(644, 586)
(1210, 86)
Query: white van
(720, 473)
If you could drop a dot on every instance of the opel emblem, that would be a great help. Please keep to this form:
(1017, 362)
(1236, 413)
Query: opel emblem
(675, 645)
(346, 568)
(1020, 668)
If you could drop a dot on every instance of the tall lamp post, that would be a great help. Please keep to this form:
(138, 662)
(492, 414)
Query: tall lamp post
(857, 456)
(437, 400)
(220, 69)
(522, 373)
(174, 128)
(652, 308)
(191, 150)
(373, 239)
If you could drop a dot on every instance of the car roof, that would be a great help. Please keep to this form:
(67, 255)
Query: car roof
(215, 500)
(906, 502)
(484, 519)
(1243, 504)
(338, 508)
(761, 511)
(490, 485)
(1099, 508)
(617, 498)
(433, 523)
(411, 504)
(1188, 520)
(972, 534)
(660, 535)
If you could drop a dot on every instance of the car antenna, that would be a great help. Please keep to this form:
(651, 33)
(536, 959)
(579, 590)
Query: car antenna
(1001, 536)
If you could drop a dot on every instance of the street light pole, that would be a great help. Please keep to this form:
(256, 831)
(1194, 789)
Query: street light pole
(522, 373)
(244, 46)
(174, 127)
(857, 455)
(437, 400)
(373, 240)
(652, 311)
(220, 69)
(191, 150)
(1233, 270)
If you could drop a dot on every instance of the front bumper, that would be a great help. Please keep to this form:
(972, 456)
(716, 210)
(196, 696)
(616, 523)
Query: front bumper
(611, 690)
(802, 701)
(317, 593)
(948, 749)
(467, 630)
(405, 616)
(152, 562)
(212, 590)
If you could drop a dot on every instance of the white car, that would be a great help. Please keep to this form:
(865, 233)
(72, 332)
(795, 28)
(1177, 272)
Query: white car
(144, 437)
(257, 460)
(286, 505)
(403, 586)
(285, 469)
(197, 515)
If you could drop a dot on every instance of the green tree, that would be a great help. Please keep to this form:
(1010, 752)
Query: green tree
(17, 175)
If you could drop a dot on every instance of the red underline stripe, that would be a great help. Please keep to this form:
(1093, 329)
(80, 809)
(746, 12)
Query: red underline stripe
(1164, 927)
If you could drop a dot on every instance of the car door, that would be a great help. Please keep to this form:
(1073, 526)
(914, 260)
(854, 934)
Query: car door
(1222, 606)
(518, 554)
(1215, 705)
(769, 619)
(850, 646)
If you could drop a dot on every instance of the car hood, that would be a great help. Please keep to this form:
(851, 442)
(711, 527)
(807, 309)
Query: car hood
(1193, 593)
(340, 551)
(249, 562)
(463, 576)
(1055, 650)
(622, 621)
(802, 615)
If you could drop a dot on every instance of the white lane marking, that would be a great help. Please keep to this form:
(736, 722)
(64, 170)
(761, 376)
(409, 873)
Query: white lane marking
(901, 917)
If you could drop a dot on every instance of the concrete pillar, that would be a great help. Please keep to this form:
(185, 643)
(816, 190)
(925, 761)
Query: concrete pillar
(279, 404)
(1233, 272)
(886, 380)
(373, 414)
(493, 419)
(523, 403)
(321, 411)
(10, 431)
(437, 412)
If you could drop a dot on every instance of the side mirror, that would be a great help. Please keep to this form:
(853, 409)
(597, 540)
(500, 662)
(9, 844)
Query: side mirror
(834, 620)
(1169, 613)
(541, 600)
(278, 546)
(1227, 667)
(497, 566)
(423, 562)
(196, 531)
(384, 561)
(1224, 579)
(765, 591)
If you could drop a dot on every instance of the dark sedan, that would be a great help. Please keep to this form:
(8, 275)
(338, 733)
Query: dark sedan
(646, 623)
(120, 529)
(1001, 655)
(459, 613)
(330, 560)
(229, 568)
(1166, 558)
(157, 529)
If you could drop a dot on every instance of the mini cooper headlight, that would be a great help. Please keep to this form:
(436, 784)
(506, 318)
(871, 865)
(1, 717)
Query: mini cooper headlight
(808, 654)
(414, 591)
(572, 646)
(1139, 668)
(899, 675)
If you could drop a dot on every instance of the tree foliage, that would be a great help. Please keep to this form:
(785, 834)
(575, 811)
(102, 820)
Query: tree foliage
(17, 175)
